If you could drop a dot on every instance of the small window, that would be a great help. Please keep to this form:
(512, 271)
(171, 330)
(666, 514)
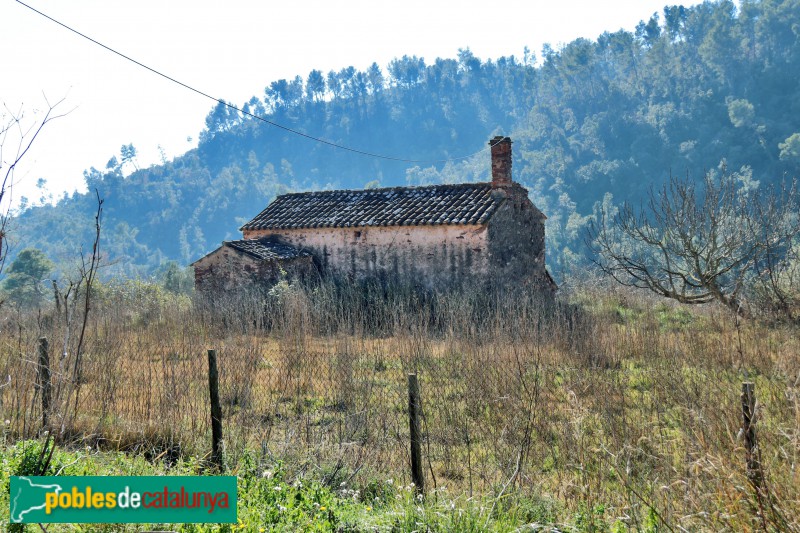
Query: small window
(357, 235)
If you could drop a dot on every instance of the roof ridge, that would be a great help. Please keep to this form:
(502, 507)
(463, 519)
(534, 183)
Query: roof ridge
(267, 238)
(395, 188)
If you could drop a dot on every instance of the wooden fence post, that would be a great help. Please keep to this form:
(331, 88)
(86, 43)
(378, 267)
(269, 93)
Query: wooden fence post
(749, 429)
(216, 410)
(44, 379)
(415, 433)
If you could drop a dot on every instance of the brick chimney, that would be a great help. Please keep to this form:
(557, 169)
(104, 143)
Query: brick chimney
(501, 161)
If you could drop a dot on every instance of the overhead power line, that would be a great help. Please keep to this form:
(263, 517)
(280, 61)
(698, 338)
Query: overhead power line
(243, 112)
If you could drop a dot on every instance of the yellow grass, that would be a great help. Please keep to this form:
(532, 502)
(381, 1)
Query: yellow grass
(628, 406)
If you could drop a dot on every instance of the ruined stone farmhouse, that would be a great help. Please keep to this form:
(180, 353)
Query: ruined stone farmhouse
(435, 235)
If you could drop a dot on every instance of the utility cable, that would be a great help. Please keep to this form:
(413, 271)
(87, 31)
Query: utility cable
(246, 113)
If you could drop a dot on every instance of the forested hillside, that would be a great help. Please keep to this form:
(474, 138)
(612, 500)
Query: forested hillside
(687, 89)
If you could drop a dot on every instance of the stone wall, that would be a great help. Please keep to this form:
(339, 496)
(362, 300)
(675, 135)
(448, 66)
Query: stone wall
(227, 269)
(430, 254)
(516, 240)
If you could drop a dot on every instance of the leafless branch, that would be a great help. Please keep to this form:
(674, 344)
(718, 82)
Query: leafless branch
(699, 244)
(88, 275)
(14, 129)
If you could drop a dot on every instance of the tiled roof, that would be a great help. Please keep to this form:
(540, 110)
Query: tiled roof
(266, 249)
(467, 203)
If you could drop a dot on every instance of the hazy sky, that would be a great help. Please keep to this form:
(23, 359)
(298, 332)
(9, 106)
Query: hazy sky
(232, 50)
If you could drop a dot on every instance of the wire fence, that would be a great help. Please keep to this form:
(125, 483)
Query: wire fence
(632, 408)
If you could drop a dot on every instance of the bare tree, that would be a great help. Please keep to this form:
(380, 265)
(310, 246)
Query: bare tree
(17, 134)
(700, 244)
(776, 280)
(88, 275)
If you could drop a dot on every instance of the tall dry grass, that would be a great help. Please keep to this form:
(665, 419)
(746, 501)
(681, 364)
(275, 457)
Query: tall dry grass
(613, 406)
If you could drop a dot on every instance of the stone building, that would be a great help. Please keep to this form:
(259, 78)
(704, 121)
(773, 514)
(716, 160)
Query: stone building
(440, 234)
(260, 261)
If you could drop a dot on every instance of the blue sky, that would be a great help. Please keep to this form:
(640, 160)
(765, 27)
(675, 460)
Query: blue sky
(232, 50)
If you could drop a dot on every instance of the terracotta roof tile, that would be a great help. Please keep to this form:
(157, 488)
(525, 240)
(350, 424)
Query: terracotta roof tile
(467, 203)
(266, 249)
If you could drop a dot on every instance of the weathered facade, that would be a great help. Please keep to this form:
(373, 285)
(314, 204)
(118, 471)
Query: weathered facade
(260, 261)
(436, 235)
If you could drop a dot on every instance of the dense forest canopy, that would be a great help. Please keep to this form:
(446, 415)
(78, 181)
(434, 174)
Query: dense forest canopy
(594, 121)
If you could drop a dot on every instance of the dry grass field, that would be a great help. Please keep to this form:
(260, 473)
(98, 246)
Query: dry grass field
(612, 409)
